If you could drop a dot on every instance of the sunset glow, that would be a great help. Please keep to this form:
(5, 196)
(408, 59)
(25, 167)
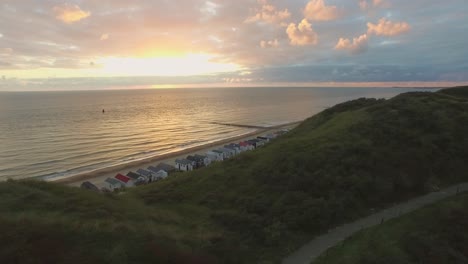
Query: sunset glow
(214, 43)
(191, 64)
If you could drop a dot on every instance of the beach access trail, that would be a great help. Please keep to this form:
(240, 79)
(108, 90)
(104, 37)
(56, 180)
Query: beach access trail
(309, 252)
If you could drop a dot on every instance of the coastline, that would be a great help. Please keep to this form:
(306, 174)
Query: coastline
(98, 176)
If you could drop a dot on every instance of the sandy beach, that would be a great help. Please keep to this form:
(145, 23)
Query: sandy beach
(97, 177)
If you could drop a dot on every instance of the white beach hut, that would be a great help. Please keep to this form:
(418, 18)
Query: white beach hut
(228, 153)
(235, 147)
(206, 160)
(161, 174)
(112, 184)
(215, 155)
(157, 173)
(246, 146)
(184, 164)
(146, 174)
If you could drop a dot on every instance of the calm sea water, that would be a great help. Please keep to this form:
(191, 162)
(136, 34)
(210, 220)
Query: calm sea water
(55, 134)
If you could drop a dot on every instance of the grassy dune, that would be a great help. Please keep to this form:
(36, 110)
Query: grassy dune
(335, 167)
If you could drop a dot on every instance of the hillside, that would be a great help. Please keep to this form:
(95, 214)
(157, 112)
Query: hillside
(435, 234)
(456, 91)
(48, 223)
(335, 167)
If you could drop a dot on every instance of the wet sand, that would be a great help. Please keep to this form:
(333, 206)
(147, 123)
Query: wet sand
(97, 177)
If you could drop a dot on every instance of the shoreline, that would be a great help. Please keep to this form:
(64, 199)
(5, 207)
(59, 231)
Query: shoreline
(99, 175)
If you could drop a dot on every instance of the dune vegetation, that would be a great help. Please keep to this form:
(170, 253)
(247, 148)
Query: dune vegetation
(337, 166)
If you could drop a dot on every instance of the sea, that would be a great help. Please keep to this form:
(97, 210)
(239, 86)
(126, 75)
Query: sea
(57, 134)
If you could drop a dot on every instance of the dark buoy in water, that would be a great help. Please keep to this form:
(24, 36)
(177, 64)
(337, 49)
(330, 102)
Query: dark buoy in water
(103, 111)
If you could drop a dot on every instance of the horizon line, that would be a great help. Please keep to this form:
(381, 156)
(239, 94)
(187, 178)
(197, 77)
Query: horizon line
(23, 85)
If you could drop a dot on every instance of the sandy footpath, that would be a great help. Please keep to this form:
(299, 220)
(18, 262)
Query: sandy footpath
(97, 177)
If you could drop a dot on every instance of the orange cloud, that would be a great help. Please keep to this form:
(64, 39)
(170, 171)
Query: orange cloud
(365, 4)
(357, 45)
(68, 13)
(104, 36)
(317, 10)
(388, 28)
(269, 43)
(377, 2)
(6, 51)
(302, 34)
(268, 13)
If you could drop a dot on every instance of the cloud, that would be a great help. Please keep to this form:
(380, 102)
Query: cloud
(268, 13)
(209, 9)
(388, 28)
(302, 34)
(104, 36)
(317, 10)
(378, 2)
(154, 28)
(269, 44)
(6, 51)
(68, 13)
(365, 4)
(357, 45)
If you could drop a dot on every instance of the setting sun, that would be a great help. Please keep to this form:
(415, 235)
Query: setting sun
(191, 64)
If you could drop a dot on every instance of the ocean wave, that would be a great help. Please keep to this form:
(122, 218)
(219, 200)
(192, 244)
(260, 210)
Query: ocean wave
(75, 171)
(192, 142)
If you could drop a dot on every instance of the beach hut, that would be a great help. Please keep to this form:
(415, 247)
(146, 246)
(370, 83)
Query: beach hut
(166, 167)
(206, 160)
(137, 178)
(228, 153)
(280, 133)
(184, 164)
(261, 142)
(126, 181)
(215, 155)
(235, 147)
(146, 173)
(89, 186)
(263, 138)
(196, 161)
(224, 153)
(200, 160)
(157, 173)
(112, 184)
(153, 169)
(245, 146)
(162, 174)
(271, 136)
(255, 142)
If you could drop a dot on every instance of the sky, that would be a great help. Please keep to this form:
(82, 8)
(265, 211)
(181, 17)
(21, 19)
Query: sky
(109, 43)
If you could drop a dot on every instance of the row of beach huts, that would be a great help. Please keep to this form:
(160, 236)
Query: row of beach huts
(191, 162)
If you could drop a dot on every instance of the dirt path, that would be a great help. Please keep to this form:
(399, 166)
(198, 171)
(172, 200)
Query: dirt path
(307, 253)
